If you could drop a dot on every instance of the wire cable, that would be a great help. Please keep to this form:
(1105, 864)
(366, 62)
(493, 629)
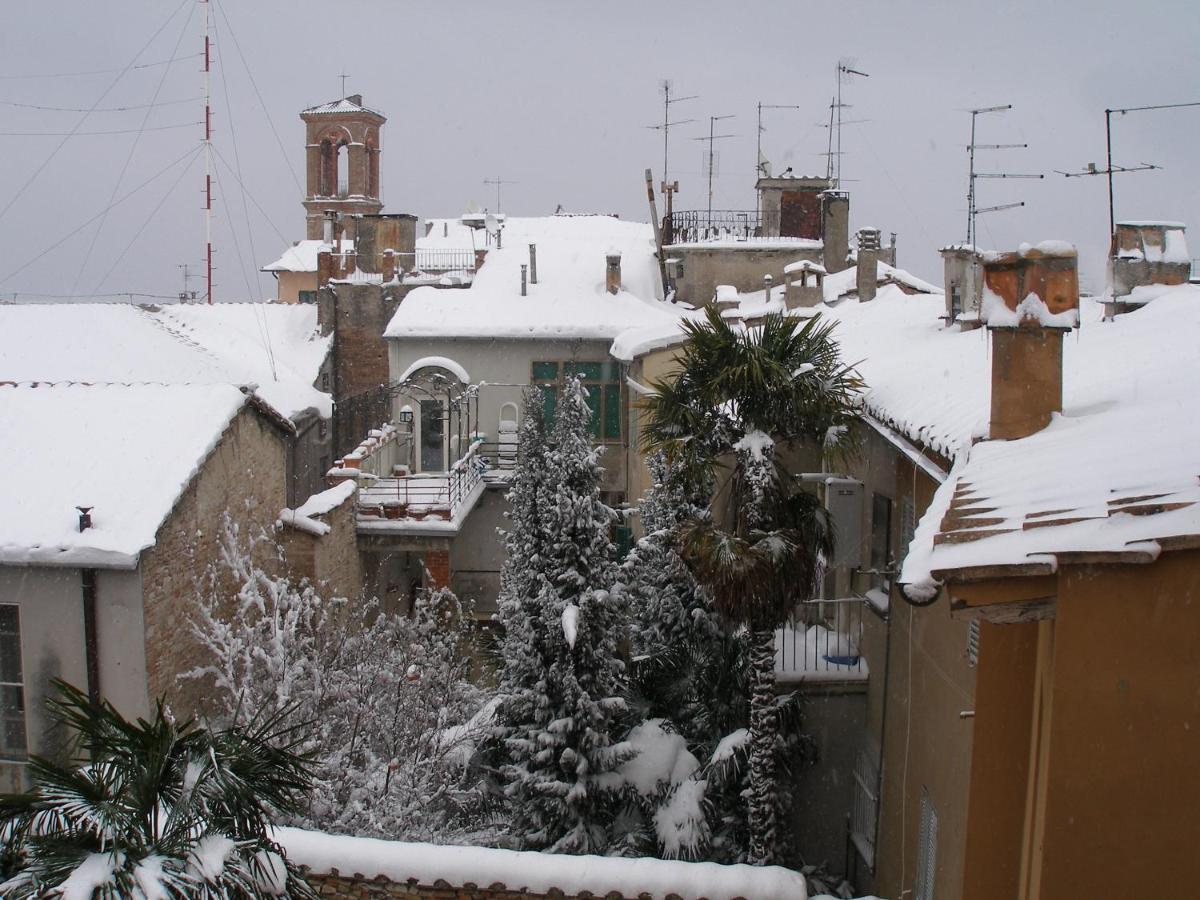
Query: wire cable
(263, 103)
(129, 156)
(257, 205)
(192, 152)
(149, 65)
(259, 315)
(45, 162)
(98, 108)
(70, 134)
(116, 262)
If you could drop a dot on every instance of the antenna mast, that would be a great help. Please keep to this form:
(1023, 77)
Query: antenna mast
(667, 125)
(208, 247)
(712, 120)
(761, 166)
(497, 181)
(843, 69)
(972, 209)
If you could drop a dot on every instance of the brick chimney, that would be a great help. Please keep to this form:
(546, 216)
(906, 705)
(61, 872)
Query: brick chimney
(1030, 300)
(612, 272)
(868, 263)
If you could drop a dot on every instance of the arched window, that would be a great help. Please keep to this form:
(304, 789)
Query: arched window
(342, 168)
(328, 169)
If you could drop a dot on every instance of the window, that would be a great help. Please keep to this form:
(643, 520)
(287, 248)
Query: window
(322, 429)
(881, 539)
(13, 745)
(324, 381)
(603, 383)
(307, 296)
(865, 813)
(926, 849)
(955, 302)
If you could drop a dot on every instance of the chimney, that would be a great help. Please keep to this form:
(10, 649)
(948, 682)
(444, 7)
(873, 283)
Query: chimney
(356, 99)
(389, 265)
(533, 263)
(325, 270)
(85, 517)
(835, 229)
(767, 282)
(330, 218)
(612, 272)
(1030, 300)
(480, 256)
(868, 263)
(1142, 254)
(524, 270)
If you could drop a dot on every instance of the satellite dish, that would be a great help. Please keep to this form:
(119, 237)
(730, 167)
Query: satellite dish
(491, 223)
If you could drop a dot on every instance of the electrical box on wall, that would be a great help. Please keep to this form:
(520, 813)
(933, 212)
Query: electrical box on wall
(844, 501)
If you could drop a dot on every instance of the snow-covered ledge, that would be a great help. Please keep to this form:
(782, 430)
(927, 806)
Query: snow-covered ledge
(486, 871)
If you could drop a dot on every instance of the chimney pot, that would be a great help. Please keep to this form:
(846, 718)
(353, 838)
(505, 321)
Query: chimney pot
(524, 270)
(356, 99)
(612, 272)
(533, 263)
(85, 517)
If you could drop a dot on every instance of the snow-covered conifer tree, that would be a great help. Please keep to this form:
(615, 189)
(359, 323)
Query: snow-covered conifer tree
(564, 679)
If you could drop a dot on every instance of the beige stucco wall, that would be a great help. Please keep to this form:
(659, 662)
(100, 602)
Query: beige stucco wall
(706, 267)
(244, 475)
(292, 283)
(50, 604)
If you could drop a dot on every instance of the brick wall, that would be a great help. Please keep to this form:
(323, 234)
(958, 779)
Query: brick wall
(330, 561)
(244, 475)
(360, 314)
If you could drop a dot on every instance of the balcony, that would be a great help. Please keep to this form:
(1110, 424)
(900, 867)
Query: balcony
(822, 643)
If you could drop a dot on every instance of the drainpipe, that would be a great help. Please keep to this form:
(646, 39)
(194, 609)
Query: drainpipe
(91, 648)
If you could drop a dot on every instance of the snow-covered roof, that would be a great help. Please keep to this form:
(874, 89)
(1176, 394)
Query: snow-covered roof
(1116, 472)
(344, 105)
(751, 243)
(536, 873)
(275, 346)
(126, 450)
(569, 300)
(839, 284)
(302, 256)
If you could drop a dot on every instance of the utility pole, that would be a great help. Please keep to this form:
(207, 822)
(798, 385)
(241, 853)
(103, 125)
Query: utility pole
(208, 247)
(667, 124)
(1110, 169)
(843, 69)
(712, 138)
(972, 208)
(497, 181)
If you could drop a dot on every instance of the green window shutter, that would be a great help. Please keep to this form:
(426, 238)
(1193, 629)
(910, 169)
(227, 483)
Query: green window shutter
(623, 539)
(549, 404)
(612, 411)
(588, 371)
(593, 402)
(545, 371)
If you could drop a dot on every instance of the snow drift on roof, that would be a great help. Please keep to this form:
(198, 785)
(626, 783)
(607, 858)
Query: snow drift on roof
(339, 106)
(845, 282)
(302, 256)
(126, 450)
(193, 343)
(569, 299)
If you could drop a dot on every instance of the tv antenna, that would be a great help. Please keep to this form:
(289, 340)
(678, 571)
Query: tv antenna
(497, 181)
(834, 167)
(764, 168)
(667, 124)
(187, 295)
(343, 76)
(712, 138)
(1110, 169)
(972, 209)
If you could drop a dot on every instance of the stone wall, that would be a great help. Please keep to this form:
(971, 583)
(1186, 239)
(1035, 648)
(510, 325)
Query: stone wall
(331, 561)
(244, 475)
(378, 888)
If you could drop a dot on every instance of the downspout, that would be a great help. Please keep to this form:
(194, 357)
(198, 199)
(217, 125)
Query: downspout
(887, 673)
(91, 646)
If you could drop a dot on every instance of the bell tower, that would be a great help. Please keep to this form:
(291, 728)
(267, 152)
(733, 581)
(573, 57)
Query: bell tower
(342, 161)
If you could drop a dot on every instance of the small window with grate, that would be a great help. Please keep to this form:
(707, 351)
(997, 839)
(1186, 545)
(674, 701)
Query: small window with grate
(926, 849)
(973, 643)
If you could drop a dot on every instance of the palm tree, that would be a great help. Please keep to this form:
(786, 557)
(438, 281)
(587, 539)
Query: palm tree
(739, 394)
(163, 809)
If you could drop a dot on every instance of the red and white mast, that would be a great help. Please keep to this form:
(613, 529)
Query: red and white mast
(208, 247)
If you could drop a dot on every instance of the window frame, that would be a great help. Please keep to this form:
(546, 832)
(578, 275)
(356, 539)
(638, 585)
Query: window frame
(606, 393)
(6, 756)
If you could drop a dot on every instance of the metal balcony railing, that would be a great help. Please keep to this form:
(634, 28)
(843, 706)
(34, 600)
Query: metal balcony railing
(699, 225)
(822, 643)
(424, 495)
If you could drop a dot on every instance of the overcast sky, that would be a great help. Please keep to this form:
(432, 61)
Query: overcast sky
(555, 97)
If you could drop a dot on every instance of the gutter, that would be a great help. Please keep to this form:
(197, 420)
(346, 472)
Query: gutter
(91, 644)
(908, 448)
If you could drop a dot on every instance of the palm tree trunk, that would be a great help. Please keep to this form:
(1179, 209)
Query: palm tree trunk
(763, 730)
